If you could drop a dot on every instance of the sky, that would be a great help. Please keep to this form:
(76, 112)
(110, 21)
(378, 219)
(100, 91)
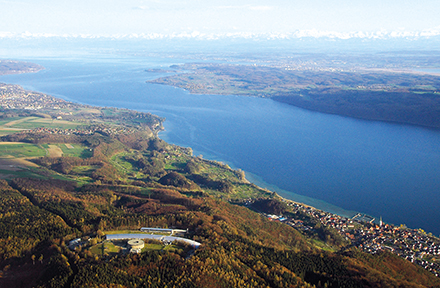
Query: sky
(194, 17)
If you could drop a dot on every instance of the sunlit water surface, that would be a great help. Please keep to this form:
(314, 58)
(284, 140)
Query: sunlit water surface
(332, 162)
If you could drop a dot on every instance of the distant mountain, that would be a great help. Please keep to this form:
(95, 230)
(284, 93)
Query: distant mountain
(297, 34)
(312, 41)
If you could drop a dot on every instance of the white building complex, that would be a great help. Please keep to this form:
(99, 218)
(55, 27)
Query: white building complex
(163, 230)
(136, 245)
(165, 239)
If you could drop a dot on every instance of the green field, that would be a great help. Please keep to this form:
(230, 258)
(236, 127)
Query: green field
(14, 156)
(10, 174)
(9, 131)
(36, 122)
(176, 162)
(121, 164)
(152, 247)
(75, 150)
(109, 112)
(3, 122)
(83, 170)
(22, 150)
(105, 248)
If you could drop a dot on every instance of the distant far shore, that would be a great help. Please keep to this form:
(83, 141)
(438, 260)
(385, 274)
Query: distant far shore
(18, 67)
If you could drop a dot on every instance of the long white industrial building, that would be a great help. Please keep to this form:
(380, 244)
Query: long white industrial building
(162, 238)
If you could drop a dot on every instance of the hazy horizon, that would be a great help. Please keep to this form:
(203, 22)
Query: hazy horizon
(193, 18)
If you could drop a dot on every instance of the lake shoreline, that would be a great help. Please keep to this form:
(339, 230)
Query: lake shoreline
(310, 106)
(354, 163)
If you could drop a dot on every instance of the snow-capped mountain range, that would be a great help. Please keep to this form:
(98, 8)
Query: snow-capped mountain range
(382, 34)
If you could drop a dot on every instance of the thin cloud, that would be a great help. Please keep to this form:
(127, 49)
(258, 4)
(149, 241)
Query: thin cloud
(140, 8)
(261, 8)
(247, 7)
(13, 2)
(163, 6)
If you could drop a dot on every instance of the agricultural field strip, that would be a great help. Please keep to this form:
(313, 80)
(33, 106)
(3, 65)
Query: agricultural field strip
(15, 122)
(21, 150)
(28, 123)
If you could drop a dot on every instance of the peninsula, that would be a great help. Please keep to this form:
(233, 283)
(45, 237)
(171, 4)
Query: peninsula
(18, 67)
(386, 94)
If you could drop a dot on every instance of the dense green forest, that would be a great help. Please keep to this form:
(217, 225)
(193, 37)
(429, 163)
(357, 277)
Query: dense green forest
(112, 173)
(410, 107)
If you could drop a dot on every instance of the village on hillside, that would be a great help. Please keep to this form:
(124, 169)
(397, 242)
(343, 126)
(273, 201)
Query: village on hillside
(414, 245)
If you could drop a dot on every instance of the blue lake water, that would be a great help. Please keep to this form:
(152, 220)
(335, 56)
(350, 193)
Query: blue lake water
(328, 161)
